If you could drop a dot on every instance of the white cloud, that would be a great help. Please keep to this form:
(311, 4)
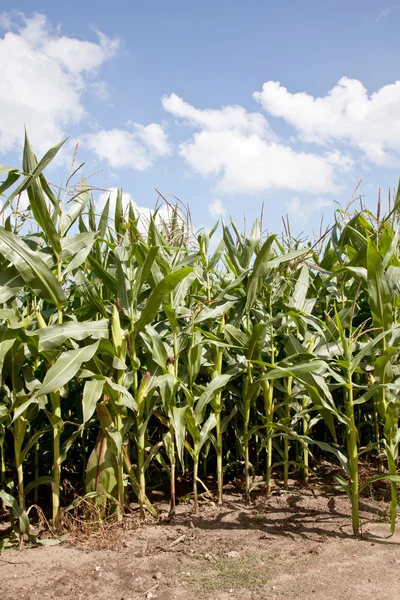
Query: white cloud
(343, 162)
(385, 13)
(228, 118)
(347, 114)
(132, 150)
(239, 148)
(249, 164)
(43, 76)
(216, 208)
(303, 211)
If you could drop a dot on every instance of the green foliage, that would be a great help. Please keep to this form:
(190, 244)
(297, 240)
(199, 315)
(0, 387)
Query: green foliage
(128, 357)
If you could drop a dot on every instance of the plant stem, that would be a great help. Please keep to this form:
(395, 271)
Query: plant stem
(268, 393)
(305, 445)
(218, 410)
(18, 441)
(393, 486)
(56, 409)
(288, 388)
(120, 469)
(36, 471)
(195, 477)
(2, 467)
(246, 417)
(172, 482)
(218, 449)
(352, 452)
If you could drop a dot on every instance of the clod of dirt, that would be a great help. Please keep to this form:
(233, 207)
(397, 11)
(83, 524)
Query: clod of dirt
(157, 575)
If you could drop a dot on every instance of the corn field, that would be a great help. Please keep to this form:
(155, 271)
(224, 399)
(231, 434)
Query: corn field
(129, 358)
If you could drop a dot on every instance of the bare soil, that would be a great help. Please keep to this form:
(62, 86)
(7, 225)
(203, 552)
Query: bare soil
(293, 546)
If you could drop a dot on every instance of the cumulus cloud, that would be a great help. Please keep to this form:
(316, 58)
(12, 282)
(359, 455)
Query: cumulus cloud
(303, 211)
(240, 149)
(137, 149)
(347, 114)
(216, 208)
(228, 118)
(43, 77)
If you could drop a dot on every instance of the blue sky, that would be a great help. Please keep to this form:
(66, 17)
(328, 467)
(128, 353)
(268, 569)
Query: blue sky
(224, 104)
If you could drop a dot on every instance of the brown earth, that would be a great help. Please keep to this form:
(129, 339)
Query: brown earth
(292, 546)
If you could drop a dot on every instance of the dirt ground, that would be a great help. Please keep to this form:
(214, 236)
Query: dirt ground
(293, 546)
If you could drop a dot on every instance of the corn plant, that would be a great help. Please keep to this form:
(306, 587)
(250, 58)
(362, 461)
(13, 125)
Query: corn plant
(128, 348)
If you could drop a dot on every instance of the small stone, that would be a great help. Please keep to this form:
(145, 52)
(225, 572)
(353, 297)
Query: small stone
(157, 575)
(233, 554)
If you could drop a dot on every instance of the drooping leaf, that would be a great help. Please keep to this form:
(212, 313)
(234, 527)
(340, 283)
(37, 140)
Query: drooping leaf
(56, 335)
(65, 368)
(32, 269)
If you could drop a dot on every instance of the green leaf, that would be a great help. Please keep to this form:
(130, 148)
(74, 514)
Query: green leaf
(11, 283)
(214, 311)
(119, 216)
(29, 178)
(90, 293)
(44, 480)
(159, 353)
(109, 281)
(256, 341)
(101, 471)
(32, 269)
(300, 289)
(56, 335)
(91, 394)
(235, 336)
(177, 420)
(164, 287)
(378, 289)
(5, 169)
(394, 478)
(32, 441)
(144, 271)
(65, 368)
(288, 257)
(215, 385)
(12, 177)
(259, 272)
(11, 502)
(73, 244)
(206, 429)
(36, 196)
(104, 218)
